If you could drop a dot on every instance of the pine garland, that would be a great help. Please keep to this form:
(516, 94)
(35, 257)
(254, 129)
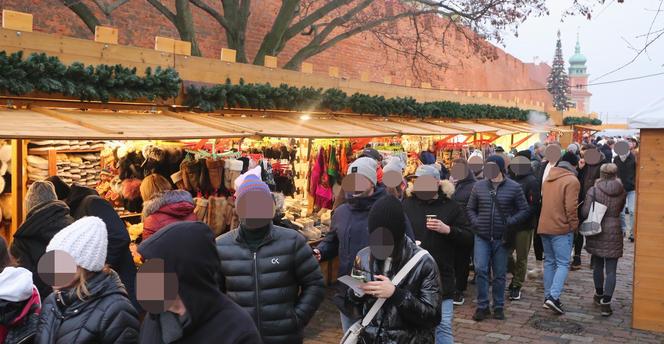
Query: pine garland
(571, 120)
(43, 73)
(285, 97)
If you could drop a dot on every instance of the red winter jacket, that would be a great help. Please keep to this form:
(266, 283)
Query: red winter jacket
(166, 208)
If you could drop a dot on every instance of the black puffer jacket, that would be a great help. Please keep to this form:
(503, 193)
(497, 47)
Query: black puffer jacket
(118, 255)
(106, 316)
(410, 316)
(440, 246)
(627, 171)
(280, 284)
(532, 190)
(31, 239)
(484, 215)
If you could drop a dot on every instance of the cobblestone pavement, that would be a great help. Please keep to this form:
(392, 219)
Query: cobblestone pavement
(521, 315)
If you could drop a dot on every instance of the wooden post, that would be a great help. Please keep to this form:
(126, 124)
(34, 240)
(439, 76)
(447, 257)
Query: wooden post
(52, 162)
(173, 46)
(104, 34)
(228, 55)
(307, 68)
(19, 153)
(18, 21)
(364, 76)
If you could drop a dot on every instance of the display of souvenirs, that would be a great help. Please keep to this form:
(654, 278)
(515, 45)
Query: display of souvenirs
(76, 161)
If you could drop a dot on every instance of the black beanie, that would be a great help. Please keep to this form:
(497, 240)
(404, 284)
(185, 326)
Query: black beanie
(61, 188)
(387, 212)
(571, 158)
(525, 153)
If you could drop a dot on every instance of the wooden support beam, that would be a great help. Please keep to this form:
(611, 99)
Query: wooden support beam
(17, 21)
(520, 142)
(164, 44)
(72, 120)
(19, 154)
(450, 126)
(52, 162)
(270, 61)
(228, 55)
(182, 48)
(108, 35)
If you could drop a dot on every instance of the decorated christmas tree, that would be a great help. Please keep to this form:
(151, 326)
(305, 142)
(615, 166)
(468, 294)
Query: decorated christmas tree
(558, 82)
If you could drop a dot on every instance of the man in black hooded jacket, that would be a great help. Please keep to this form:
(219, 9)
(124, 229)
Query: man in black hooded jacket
(187, 249)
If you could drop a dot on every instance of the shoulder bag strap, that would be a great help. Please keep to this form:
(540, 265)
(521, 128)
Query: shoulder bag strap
(397, 279)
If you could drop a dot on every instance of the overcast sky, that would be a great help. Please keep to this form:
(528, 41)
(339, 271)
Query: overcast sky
(602, 43)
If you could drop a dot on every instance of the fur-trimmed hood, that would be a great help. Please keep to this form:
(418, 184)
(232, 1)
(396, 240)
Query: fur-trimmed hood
(166, 198)
(446, 186)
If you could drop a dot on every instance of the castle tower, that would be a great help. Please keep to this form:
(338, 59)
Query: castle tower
(578, 79)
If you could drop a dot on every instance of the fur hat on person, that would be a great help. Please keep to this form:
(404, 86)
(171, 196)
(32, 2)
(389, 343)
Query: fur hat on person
(85, 240)
(365, 166)
(39, 192)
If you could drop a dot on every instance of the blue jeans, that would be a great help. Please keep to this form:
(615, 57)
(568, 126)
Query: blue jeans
(346, 322)
(494, 254)
(444, 329)
(557, 252)
(627, 220)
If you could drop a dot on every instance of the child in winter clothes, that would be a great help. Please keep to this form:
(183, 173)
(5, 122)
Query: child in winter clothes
(19, 301)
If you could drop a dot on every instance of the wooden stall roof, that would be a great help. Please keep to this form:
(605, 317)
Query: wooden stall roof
(40, 123)
(67, 123)
(416, 127)
(522, 127)
(603, 127)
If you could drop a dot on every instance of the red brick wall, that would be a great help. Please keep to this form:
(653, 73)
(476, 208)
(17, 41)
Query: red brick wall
(139, 22)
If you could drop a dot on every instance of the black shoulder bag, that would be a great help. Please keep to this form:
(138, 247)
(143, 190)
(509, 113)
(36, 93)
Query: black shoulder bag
(509, 235)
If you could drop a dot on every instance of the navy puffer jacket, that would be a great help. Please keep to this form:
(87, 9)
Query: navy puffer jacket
(349, 231)
(484, 214)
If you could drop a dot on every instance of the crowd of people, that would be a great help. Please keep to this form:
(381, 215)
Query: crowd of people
(409, 243)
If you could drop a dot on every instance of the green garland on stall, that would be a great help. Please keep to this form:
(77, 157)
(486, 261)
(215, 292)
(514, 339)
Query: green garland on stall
(285, 97)
(571, 120)
(43, 73)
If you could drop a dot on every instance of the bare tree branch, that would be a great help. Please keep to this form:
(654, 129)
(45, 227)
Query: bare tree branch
(212, 12)
(84, 13)
(107, 9)
(163, 9)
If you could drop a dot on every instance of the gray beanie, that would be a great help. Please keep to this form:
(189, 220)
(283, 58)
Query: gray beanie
(393, 164)
(40, 192)
(427, 170)
(366, 167)
(573, 148)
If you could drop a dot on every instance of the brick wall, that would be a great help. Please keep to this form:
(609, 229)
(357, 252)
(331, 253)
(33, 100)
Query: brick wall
(139, 22)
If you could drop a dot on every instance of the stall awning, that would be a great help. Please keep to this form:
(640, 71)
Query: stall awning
(61, 123)
(43, 123)
(604, 127)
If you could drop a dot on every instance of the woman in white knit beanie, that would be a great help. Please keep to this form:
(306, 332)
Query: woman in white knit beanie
(93, 307)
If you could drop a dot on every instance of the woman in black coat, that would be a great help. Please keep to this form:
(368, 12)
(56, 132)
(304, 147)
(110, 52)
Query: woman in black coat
(412, 308)
(93, 307)
(46, 217)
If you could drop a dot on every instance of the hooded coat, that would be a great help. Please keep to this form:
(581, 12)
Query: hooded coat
(76, 195)
(587, 176)
(280, 283)
(31, 239)
(166, 208)
(349, 231)
(118, 255)
(106, 316)
(533, 193)
(411, 315)
(560, 199)
(627, 171)
(188, 250)
(19, 306)
(609, 242)
(440, 246)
